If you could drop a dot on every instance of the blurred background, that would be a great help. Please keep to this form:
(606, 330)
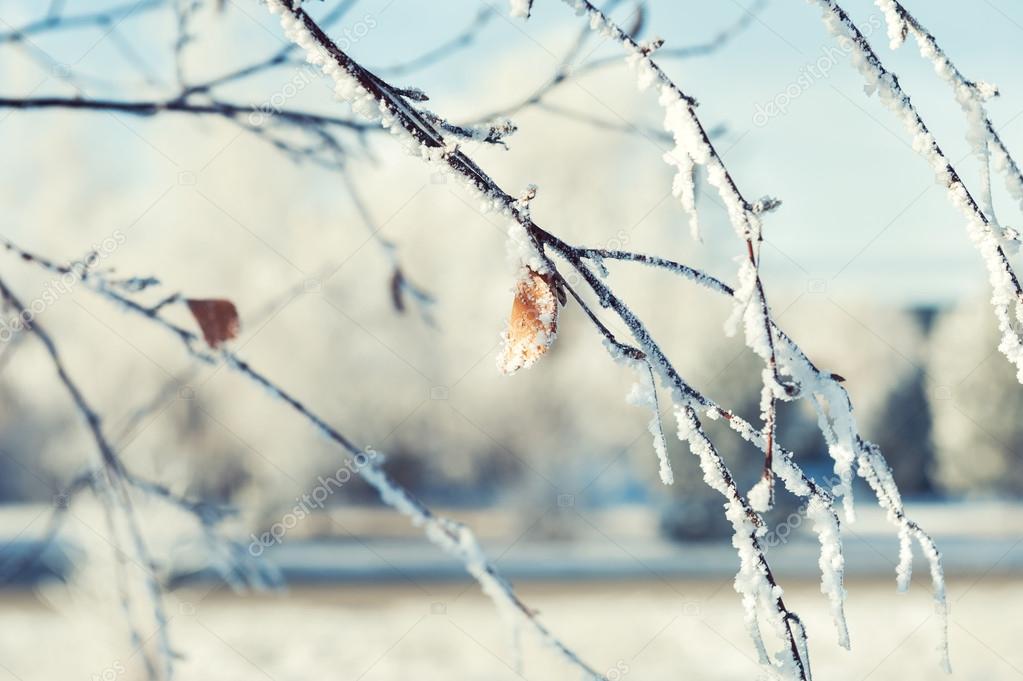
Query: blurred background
(377, 291)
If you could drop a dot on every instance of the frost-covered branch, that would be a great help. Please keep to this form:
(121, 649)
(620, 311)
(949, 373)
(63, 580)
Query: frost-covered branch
(453, 537)
(402, 288)
(112, 485)
(375, 99)
(397, 113)
(982, 227)
(834, 408)
(693, 147)
(972, 96)
(152, 107)
(12, 568)
(788, 373)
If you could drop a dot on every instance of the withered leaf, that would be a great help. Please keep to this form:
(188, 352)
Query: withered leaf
(397, 290)
(217, 318)
(533, 323)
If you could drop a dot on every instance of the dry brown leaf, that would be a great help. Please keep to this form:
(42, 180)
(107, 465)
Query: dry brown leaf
(218, 319)
(533, 323)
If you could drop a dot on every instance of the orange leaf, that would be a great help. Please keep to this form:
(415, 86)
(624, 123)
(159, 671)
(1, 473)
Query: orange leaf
(533, 323)
(218, 319)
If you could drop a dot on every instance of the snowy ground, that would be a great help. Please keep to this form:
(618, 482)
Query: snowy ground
(635, 607)
(627, 629)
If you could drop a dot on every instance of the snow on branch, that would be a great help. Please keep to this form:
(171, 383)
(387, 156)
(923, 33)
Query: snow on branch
(983, 228)
(644, 394)
(112, 484)
(788, 373)
(693, 147)
(453, 537)
(832, 403)
(379, 101)
(376, 100)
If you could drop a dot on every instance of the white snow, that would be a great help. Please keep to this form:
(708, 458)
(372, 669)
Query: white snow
(760, 495)
(832, 564)
(760, 598)
(983, 231)
(644, 394)
(459, 541)
(521, 8)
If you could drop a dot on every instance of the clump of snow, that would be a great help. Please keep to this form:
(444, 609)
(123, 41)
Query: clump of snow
(904, 570)
(644, 394)
(521, 8)
(521, 252)
(896, 24)
(760, 495)
(831, 562)
(679, 122)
